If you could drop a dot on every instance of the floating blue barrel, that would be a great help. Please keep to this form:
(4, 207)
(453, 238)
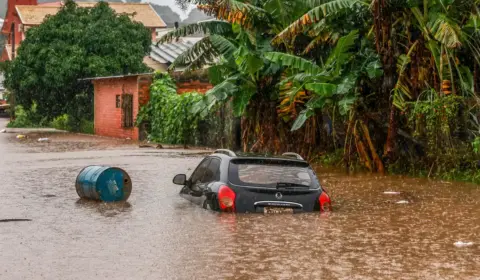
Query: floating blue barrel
(104, 183)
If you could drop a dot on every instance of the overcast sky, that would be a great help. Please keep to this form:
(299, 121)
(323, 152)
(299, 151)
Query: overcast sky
(174, 7)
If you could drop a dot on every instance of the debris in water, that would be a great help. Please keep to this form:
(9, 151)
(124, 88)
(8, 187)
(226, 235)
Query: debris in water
(43, 139)
(461, 244)
(3, 131)
(20, 136)
(14, 220)
(107, 184)
(403, 202)
(390, 192)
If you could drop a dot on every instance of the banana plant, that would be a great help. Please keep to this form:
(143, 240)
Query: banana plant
(332, 84)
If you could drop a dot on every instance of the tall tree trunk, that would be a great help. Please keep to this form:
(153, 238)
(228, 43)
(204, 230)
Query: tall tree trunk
(385, 48)
(390, 146)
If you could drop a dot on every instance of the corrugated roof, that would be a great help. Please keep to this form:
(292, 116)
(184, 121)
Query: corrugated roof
(144, 13)
(116, 77)
(168, 52)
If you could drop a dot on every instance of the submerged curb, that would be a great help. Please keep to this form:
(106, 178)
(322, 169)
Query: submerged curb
(33, 130)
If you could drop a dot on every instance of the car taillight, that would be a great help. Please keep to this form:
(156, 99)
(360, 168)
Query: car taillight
(226, 199)
(325, 202)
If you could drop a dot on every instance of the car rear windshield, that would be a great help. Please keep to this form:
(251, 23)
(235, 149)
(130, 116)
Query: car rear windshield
(268, 173)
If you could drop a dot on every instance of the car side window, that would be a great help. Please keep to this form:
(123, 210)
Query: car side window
(213, 171)
(200, 171)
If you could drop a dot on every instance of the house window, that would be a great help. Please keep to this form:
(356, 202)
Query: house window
(117, 101)
(127, 110)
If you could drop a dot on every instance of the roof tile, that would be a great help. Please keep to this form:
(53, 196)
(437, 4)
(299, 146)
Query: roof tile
(144, 13)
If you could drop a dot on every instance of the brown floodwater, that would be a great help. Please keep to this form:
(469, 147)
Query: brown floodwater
(158, 235)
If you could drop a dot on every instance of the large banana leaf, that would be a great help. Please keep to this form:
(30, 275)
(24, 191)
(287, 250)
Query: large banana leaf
(241, 100)
(302, 118)
(445, 30)
(215, 27)
(325, 9)
(245, 14)
(205, 52)
(341, 53)
(294, 62)
(322, 89)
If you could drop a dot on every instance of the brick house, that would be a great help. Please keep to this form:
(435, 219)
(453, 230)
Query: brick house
(23, 14)
(113, 115)
(117, 100)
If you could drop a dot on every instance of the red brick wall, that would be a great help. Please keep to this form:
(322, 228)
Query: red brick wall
(4, 54)
(12, 17)
(194, 85)
(154, 34)
(144, 90)
(108, 118)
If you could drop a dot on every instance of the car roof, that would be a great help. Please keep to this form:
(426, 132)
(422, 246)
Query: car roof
(224, 153)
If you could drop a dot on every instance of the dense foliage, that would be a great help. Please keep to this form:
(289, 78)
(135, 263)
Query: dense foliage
(168, 113)
(73, 44)
(172, 118)
(390, 82)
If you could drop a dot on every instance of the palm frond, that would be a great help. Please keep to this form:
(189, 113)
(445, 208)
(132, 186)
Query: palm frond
(313, 16)
(279, 10)
(302, 118)
(401, 91)
(235, 12)
(341, 52)
(218, 93)
(215, 27)
(445, 31)
(205, 52)
(322, 89)
(294, 62)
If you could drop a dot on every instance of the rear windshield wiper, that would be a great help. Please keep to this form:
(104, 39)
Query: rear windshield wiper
(282, 185)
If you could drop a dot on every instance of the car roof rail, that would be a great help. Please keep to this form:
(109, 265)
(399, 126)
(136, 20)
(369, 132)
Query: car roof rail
(295, 155)
(225, 151)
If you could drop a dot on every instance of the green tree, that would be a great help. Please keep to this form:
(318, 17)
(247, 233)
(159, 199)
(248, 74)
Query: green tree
(73, 44)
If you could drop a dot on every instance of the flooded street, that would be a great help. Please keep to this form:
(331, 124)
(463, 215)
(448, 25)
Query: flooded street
(159, 235)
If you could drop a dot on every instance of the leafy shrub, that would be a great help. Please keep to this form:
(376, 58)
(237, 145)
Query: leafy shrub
(21, 118)
(27, 118)
(170, 114)
(87, 127)
(62, 122)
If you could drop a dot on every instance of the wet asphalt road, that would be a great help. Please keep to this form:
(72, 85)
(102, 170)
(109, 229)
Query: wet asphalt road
(158, 235)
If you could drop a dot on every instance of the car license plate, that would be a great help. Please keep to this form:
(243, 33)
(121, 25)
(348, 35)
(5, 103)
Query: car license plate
(277, 210)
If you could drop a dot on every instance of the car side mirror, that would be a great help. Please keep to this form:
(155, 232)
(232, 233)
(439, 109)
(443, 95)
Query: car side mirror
(180, 179)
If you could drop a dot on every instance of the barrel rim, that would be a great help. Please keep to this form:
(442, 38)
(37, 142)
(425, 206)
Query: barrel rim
(125, 198)
(76, 179)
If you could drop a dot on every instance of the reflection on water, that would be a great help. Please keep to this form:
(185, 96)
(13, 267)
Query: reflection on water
(158, 235)
(105, 209)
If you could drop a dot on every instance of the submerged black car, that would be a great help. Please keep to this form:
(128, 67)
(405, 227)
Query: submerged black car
(226, 182)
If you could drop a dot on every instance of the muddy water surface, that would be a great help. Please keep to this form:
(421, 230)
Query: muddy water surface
(158, 235)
